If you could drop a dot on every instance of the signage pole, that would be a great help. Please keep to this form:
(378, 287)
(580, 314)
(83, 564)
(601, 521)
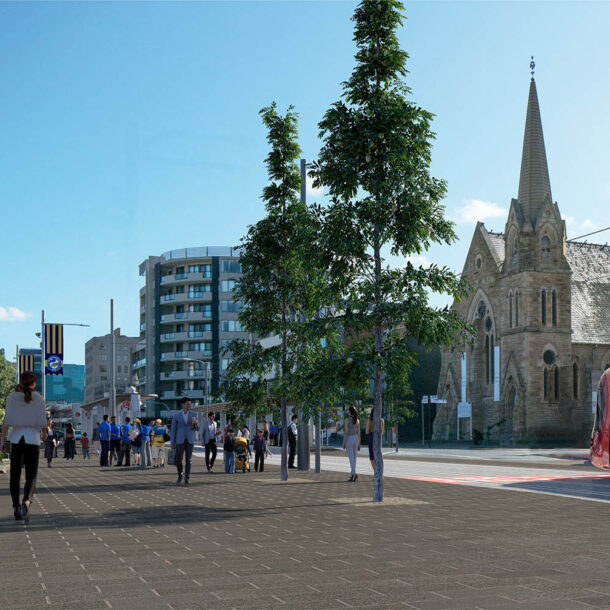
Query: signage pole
(43, 345)
(112, 394)
(423, 439)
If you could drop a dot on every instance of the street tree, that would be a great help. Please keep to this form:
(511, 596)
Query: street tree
(280, 288)
(375, 165)
(7, 381)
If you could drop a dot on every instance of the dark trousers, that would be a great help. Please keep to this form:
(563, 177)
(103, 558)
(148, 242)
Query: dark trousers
(104, 453)
(115, 449)
(23, 455)
(210, 448)
(69, 448)
(259, 456)
(49, 450)
(292, 444)
(125, 453)
(186, 450)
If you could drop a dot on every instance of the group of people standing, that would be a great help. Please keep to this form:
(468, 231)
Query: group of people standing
(351, 439)
(145, 439)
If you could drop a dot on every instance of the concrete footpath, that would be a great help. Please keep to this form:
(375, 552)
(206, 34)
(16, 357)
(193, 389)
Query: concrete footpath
(128, 538)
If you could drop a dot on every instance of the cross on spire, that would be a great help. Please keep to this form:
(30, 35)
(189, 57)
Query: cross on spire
(532, 66)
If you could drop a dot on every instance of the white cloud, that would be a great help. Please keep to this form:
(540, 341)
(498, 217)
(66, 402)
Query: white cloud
(419, 261)
(476, 210)
(12, 314)
(589, 224)
(312, 192)
(570, 220)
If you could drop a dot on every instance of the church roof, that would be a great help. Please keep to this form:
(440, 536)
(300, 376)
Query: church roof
(534, 183)
(590, 264)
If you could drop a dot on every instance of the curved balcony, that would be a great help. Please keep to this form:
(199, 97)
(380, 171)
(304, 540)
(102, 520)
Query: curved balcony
(192, 316)
(177, 375)
(194, 394)
(179, 278)
(185, 356)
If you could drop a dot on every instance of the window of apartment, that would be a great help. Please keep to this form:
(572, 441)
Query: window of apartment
(206, 270)
(231, 326)
(231, 267)
(102, 368)
(198, 290)
(103, 346)
(204, 308)
(103, 357)
(228, 285)
(205, 346)
(232, 306)
(197, 330)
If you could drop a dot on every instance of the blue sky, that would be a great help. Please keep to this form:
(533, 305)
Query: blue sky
(130, 129)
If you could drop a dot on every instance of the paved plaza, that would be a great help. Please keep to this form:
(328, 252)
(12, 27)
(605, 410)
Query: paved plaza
(127, 538)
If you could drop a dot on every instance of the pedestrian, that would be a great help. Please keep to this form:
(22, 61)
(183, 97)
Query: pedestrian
(260, 449)
(267, 432)
(246, 434)
(95, 438)
(228, 452)
(25, 416)
(208, 440)
(183, 436)
(135, 436)
(115, 440)
(145, 444)
(49, 438)
(84, 444)
(69, 442)
(159, 439)
(292, 441)
(125, 453)
(351, 440)
(370, 429)
(103, 434)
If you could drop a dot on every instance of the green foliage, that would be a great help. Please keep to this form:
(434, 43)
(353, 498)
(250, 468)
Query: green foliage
(282, 290)
(7, 381)
(375, 165)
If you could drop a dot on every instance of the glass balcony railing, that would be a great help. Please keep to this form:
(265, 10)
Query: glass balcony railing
(181, 316)
(169, 297)
(181, 354)
(168, 336)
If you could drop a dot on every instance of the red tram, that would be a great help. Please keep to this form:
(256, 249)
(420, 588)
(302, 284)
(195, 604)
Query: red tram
(600, 438)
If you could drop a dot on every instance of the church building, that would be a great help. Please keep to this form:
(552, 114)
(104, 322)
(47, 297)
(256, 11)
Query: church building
(540, 309)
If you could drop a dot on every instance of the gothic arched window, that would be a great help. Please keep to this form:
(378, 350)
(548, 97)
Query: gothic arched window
(554, 307)
(545, 247)
(550, 374)
(510, 309)
(489, 350)
(515, 251)
(543, 306)
(516, 307)
(575, 381)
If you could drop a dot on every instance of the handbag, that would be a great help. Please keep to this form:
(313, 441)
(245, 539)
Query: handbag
(171, 457)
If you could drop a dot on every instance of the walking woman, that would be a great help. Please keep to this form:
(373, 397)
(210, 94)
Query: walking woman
(49, 438)
(69, 443)
(351, 440)
(25, 416)
(370, 428)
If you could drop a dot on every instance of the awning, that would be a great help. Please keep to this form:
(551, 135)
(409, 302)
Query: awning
(119, 398)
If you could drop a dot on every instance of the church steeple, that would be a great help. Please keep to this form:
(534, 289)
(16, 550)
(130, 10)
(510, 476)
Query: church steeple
(534, 183)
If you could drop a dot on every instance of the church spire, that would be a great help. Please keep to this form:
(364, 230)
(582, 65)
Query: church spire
(534, 183)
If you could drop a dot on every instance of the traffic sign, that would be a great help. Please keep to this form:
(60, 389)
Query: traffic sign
(126, 404)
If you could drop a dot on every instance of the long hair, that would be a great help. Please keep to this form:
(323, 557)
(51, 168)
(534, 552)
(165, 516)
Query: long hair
(354, 413)
(26, 379)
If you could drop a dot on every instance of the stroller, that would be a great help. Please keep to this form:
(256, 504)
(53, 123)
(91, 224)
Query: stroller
(241, 454)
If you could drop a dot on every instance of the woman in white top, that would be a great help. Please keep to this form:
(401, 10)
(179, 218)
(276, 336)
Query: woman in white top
(351, 440)
(25, 416)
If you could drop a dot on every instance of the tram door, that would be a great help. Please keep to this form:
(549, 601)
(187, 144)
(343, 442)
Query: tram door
(600, 437)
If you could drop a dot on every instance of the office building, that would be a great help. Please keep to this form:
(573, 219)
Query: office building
(97, 361)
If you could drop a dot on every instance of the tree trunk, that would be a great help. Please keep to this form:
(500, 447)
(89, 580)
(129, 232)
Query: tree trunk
(377, 384)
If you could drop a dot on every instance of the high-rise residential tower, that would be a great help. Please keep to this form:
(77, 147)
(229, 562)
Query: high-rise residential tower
(187, 317)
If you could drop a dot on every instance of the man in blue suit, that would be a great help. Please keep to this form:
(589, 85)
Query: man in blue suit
(183, 436)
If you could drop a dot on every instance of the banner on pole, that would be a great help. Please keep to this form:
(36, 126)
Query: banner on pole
(26, 363)
(53, 349)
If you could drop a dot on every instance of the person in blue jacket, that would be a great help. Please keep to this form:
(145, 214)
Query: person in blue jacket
(103, 433)
(145, 446)
(115, 440)
(125, 444)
